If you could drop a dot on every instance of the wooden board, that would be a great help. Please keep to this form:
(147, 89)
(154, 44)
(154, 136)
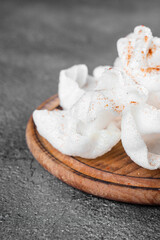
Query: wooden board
(112, 176)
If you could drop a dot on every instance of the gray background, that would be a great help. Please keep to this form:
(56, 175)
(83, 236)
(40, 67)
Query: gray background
(37, 39)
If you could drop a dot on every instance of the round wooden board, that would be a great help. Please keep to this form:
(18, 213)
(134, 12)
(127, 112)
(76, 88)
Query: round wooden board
(112, 176)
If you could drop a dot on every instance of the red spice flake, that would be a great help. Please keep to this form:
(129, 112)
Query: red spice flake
(140, 31)
(150, 69)
(130, 51)
(118, 108)
(133, 102)
(151, 51)
(130, 75)
(143, 54)
(109, 68)
(142, 25)
(146, 38)
(154, 48)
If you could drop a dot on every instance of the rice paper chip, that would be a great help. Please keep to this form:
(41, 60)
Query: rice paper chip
(139, 58)
(73, 82)
(66, 134)
(136, 123)
(98, 71)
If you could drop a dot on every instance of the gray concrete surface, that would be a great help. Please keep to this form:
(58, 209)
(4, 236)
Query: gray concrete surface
(37, 39)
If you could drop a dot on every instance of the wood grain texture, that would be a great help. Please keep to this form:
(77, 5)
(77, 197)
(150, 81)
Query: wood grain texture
(112, 176)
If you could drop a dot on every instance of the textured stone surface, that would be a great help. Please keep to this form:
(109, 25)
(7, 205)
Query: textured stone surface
(37, 39)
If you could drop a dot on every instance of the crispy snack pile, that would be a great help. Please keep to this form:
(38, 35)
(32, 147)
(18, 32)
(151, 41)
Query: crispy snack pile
(116, 103)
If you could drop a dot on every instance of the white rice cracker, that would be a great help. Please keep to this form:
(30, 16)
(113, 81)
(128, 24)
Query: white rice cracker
(139, 58)
(136, 123)
(90, 127)
(73, 82)
(70, 136)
